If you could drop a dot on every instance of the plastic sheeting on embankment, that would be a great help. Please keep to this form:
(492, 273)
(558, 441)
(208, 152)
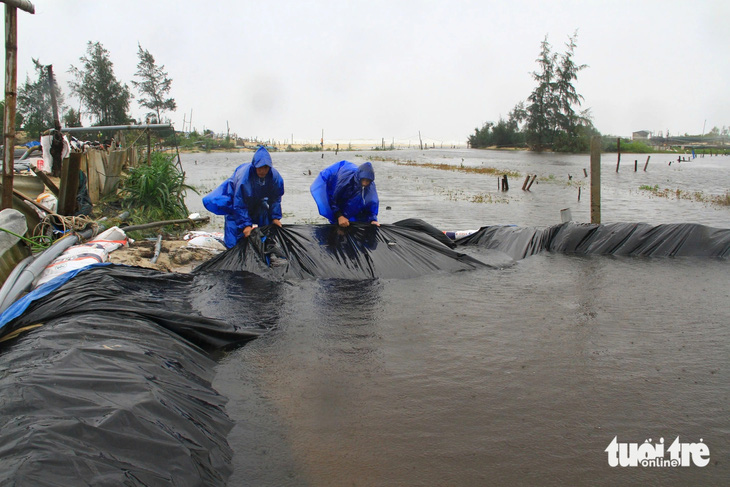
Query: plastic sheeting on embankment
(112, 384)
(361, 251)
(107, 380)
(627, 239)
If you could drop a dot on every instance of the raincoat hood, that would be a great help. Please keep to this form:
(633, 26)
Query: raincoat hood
(261, 158)
(366, 171)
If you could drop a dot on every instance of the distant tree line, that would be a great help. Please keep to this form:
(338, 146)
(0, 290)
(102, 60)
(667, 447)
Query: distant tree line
(549, 118)
(103, 98)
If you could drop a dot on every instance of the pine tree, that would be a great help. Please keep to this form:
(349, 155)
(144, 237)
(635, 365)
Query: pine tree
(543, 102)
(154, 85)
(568, 97)
(105, 97)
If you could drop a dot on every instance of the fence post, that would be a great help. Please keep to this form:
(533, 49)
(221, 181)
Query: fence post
(596, 179)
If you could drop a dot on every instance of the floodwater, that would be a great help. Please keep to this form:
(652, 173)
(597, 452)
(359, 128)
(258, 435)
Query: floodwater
(517, 375)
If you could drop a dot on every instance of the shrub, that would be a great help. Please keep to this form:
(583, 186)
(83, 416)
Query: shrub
(155, 192)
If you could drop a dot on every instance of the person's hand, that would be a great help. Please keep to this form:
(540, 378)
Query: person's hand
(343, 222)
(276, 222)
(247, 231)
(374, 222)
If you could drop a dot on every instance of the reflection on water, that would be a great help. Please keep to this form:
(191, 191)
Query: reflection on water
(518, 376)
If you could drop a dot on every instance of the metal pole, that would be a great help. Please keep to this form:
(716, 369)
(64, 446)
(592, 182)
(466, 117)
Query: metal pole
(71, 130)
(596, 179)
(11, 79)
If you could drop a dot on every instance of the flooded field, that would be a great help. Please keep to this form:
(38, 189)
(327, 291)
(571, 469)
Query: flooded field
(516, 375)
(458, 200)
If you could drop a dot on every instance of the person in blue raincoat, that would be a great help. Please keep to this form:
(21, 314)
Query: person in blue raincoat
(346, 193)
(251, 196)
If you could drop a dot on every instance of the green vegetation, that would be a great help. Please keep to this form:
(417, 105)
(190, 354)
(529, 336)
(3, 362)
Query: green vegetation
(34, 102)
(102, 95)
(646, 187)
(206, 142)
(155, 192)
(154, 86)
(610, 144)
(505, 133)
(467, 169)
(95, 84)
(549, 118)
(698, 196)
(304, 148)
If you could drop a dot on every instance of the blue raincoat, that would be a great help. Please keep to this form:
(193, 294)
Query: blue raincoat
(245, 199)
(338, 191)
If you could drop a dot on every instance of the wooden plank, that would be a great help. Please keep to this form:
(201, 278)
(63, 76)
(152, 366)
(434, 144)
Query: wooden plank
(114, 162)
(46, 180)
(69, 184)
(93, 159)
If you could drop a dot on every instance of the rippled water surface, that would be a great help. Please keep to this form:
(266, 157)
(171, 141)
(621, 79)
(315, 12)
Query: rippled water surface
(446, 199)
(519, 375)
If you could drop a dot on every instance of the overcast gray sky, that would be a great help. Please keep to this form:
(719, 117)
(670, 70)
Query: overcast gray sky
(371, 69)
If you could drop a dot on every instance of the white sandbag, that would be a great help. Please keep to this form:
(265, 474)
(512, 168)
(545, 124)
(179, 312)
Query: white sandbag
(198, 233)
(206, 242)
(64, 264)
(78, 256)
(88, 248)
(111, 239)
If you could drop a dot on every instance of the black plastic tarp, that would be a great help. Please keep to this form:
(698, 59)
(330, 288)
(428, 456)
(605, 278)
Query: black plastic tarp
(111, 385)
(626, 239)
(109, 380)
(361, 251)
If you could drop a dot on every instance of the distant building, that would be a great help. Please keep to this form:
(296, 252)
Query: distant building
(641, 135)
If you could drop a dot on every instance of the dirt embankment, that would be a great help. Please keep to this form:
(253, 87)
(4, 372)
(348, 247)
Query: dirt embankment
(175, 255)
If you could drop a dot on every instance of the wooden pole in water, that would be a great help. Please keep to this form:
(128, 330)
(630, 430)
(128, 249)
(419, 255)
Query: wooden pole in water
(534, 176)
(618, 149)
(578, 193)
(647, 163)
(527, 179)
(585, 173)
(596, 179)
(636, 165)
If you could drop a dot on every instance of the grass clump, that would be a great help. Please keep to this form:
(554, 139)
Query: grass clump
(461, 168)
(156, 191)
(697, 196)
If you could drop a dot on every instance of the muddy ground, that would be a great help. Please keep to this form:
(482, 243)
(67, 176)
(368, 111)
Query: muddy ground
(175, 255)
